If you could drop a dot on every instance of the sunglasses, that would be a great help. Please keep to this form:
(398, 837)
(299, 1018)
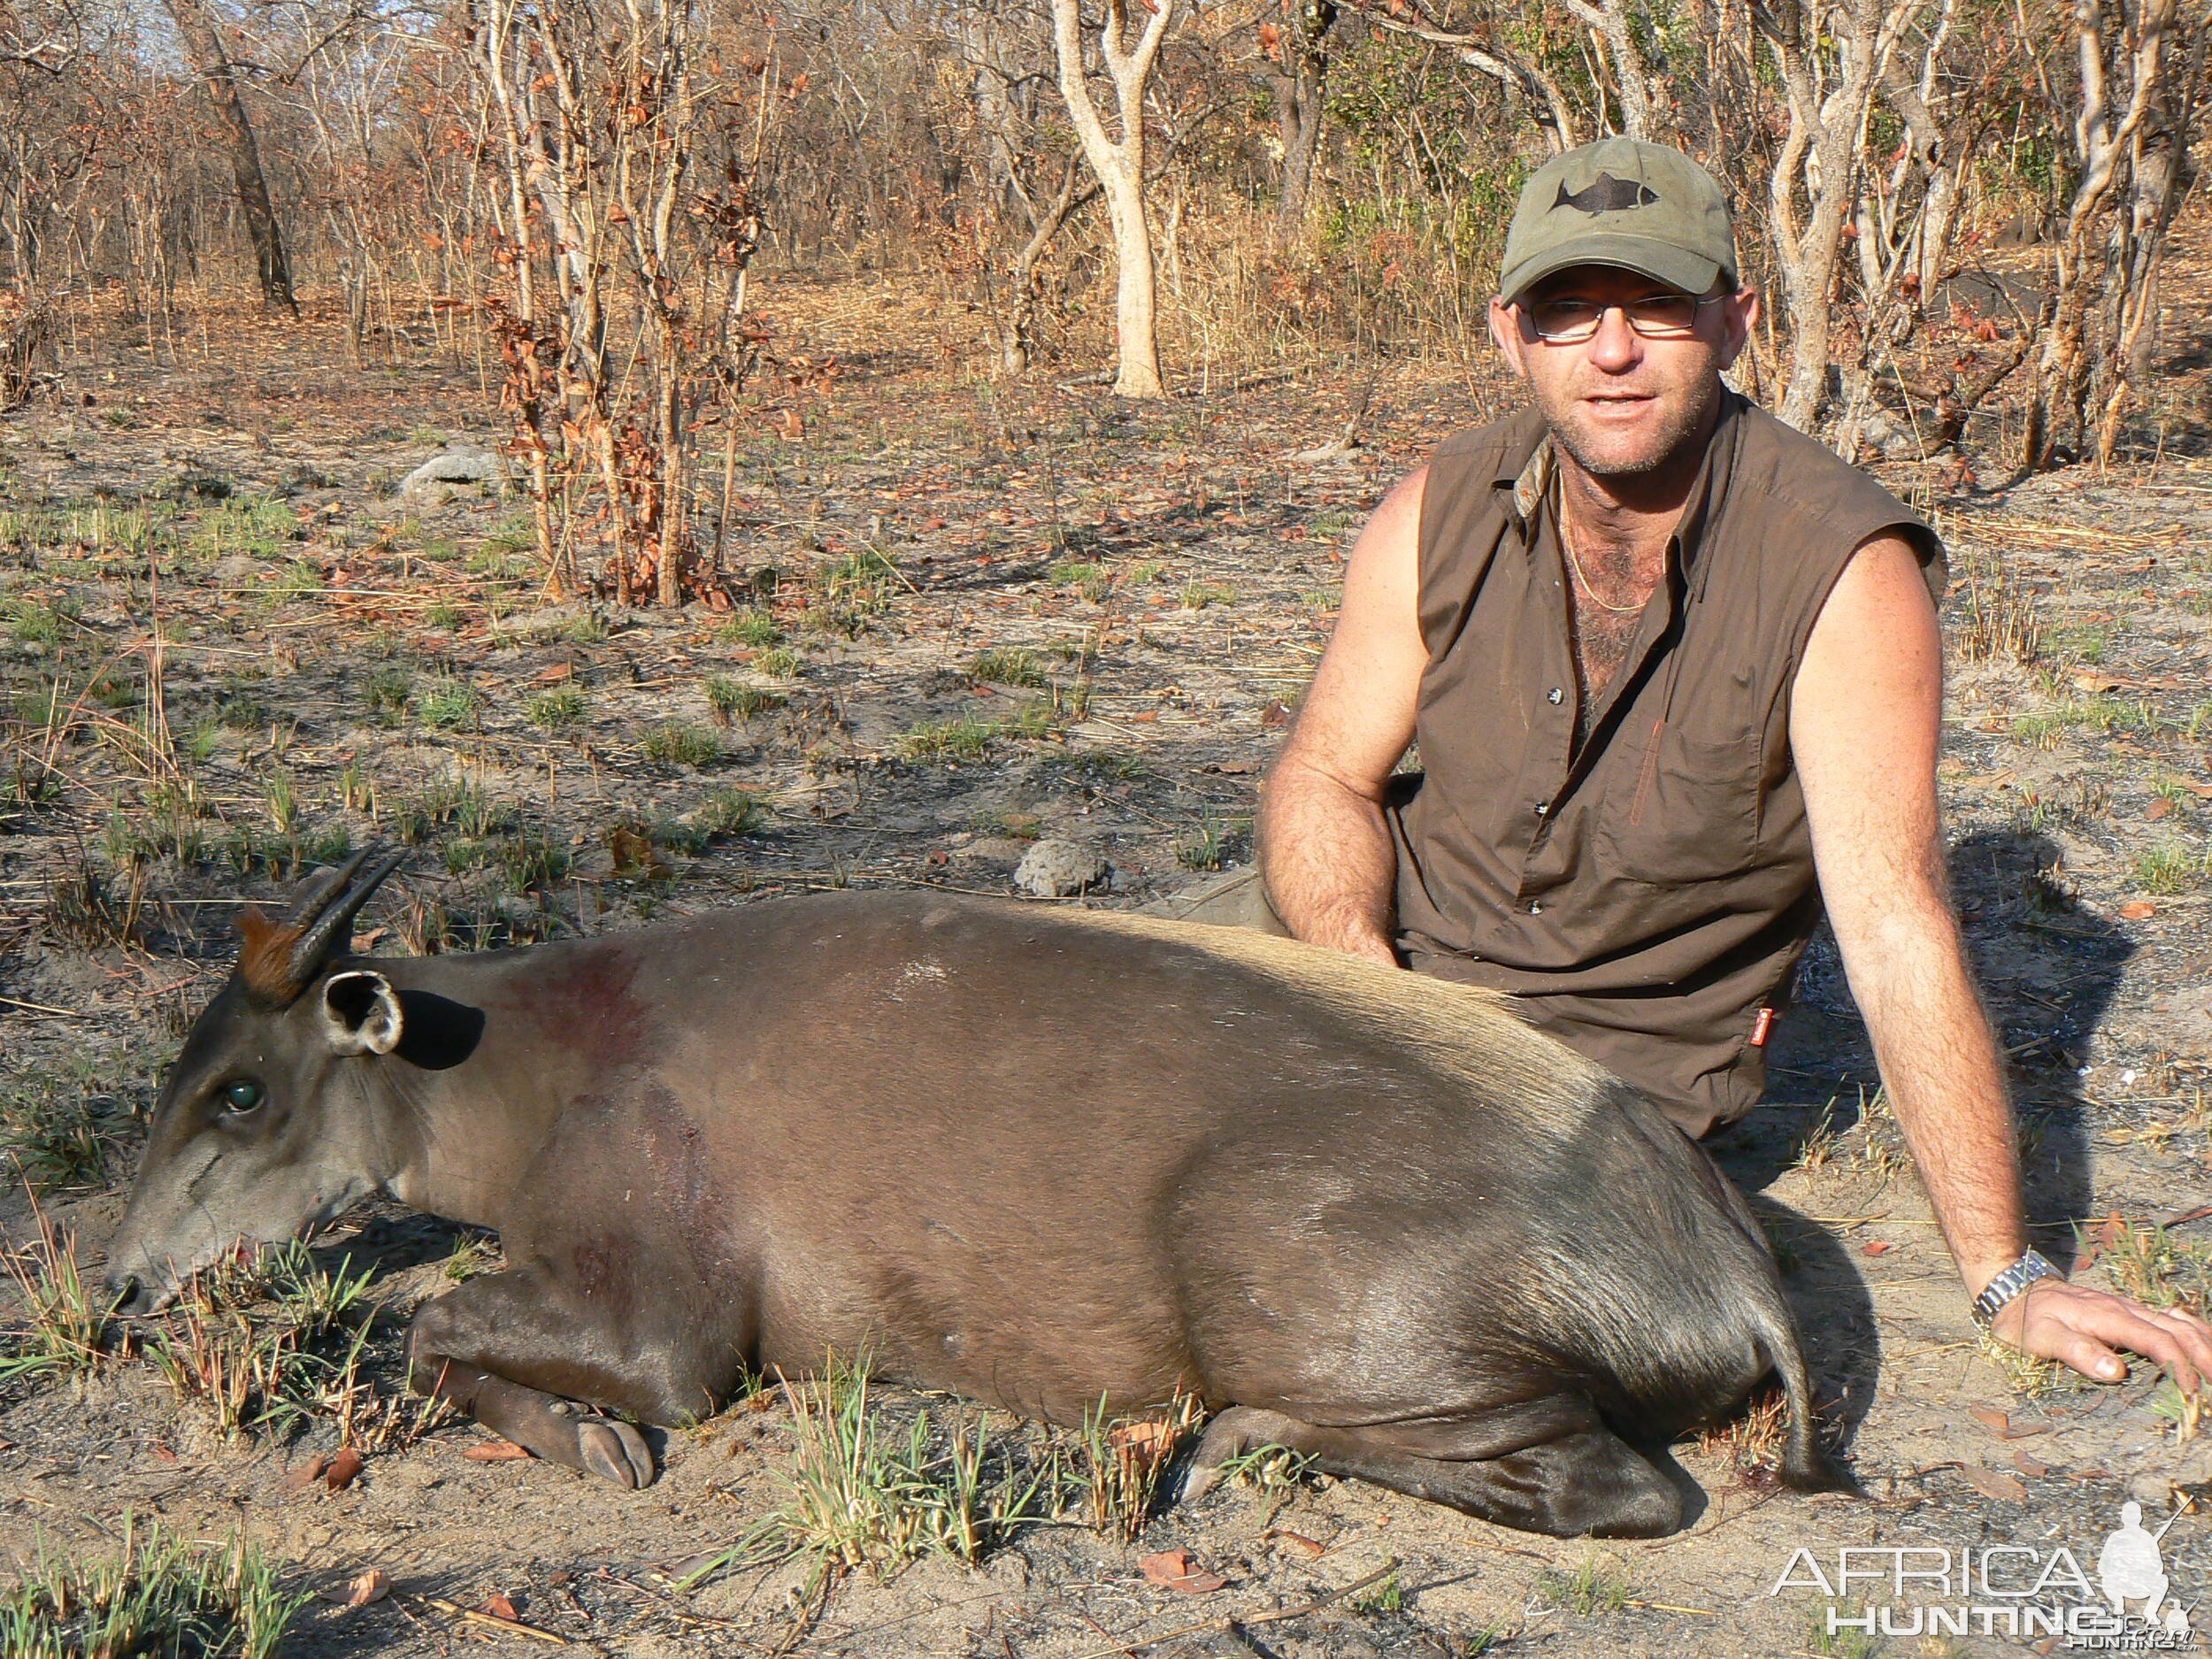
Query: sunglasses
(1654, 317)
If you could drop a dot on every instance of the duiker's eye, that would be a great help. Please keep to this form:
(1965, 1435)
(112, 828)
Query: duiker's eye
(242, 1097)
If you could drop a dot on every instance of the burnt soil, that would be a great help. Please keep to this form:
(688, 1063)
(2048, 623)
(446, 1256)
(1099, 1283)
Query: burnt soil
(1174, 577)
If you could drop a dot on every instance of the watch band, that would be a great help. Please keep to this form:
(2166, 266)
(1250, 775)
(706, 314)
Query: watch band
(2008, 1284)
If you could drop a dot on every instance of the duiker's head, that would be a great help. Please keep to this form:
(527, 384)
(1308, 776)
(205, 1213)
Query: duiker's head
(261, 1131)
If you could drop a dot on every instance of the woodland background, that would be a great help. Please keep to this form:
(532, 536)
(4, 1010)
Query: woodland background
(1951, 205)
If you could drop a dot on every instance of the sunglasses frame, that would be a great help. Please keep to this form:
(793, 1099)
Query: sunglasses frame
(1626, 308)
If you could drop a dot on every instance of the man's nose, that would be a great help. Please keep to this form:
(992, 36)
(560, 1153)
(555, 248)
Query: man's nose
(1615, 346)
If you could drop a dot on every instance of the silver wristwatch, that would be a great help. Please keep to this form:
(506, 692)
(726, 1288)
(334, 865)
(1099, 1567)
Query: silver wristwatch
(2009, 1283)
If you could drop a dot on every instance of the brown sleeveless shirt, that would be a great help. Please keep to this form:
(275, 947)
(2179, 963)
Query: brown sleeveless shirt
(1645, 897)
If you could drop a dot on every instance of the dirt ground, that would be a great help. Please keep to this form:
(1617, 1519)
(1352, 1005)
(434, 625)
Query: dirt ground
(337, 664)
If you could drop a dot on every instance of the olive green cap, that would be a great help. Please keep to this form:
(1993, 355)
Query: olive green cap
(1620, 202)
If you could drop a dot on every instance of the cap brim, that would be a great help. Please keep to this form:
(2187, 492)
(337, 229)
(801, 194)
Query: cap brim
(1662, 262)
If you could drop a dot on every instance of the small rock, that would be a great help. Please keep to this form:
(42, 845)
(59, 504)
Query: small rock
(437, 480)
(1057, 869)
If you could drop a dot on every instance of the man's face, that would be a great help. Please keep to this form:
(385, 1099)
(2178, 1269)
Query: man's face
(1621, 404)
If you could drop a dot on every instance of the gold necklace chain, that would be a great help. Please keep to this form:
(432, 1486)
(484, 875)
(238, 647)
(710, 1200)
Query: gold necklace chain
(1567, 541)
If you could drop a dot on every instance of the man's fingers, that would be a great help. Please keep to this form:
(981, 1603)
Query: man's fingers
(2087, 1355)
(2097, 1324)
(2158, 1334)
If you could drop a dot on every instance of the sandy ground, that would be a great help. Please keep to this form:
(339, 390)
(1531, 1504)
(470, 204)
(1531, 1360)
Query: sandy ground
(2076, 787)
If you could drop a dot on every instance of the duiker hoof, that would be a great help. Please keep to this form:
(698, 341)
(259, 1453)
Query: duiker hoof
(615, 1451)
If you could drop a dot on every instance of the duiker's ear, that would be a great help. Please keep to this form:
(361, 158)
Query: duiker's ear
(361, 1013)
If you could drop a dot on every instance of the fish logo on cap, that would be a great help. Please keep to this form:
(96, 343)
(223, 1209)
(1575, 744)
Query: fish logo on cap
(1605, 194)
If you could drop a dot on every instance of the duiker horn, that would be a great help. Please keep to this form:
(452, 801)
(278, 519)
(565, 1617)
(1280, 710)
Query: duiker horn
(278, 960)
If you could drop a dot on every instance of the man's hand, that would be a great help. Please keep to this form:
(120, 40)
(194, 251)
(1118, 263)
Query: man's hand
(2080, 1327)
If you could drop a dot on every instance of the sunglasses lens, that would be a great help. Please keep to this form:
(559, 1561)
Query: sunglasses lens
(1657, 316)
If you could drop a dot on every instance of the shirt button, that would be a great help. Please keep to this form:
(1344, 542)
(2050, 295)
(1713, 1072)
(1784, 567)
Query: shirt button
(1554, 695)
(1535, 908)
(1542, 807)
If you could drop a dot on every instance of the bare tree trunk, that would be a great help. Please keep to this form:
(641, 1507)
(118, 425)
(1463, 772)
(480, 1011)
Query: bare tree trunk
(2131, 42)
(1020, 343)
(1300, 100)
(1821, 156)
(1120, 169)
(2160, 164)
(203, 50)
(1639, 99)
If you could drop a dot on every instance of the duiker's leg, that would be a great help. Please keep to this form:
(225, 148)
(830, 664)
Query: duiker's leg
(515, 1350)
(1580, 1477)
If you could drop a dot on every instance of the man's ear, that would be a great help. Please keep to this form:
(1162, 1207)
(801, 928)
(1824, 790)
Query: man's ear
(1742, 310)
(361, 1012)
(1505, 334)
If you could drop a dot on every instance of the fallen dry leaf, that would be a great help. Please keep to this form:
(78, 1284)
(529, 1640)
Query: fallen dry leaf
(1878, 1246)
(498, 1452)
(371, 1586)
(2161, 807)
(2028, 1467)
(2138, 910)
(302, 1475)
(344, 1468)
(499, 1607)
(1296, 1543)
(1174, 1570)
(1994, 1483)
(1149, 1437)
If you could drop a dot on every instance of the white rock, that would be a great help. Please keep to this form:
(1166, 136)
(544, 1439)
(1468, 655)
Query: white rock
(1058, 869)
(435, 482)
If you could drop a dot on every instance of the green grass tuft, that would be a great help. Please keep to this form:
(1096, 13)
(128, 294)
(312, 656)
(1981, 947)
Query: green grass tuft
(733, 699)
(674, 743)
(1008, 665)
(158, 1596)
(559, 710)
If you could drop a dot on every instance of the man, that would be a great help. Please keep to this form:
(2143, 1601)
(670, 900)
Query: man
(1675, 679)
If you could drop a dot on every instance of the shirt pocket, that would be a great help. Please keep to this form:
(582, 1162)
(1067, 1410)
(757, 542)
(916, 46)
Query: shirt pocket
(1687, 810)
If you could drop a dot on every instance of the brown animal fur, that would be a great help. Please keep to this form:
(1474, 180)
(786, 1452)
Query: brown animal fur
(264, 957)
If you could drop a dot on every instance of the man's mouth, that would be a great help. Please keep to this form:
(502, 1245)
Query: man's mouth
(1618, 406)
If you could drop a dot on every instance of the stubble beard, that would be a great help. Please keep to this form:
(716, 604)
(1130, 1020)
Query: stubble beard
(1668, 443)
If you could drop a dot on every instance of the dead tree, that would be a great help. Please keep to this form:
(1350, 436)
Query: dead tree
(2136, 82)
(1640, 99)
(210, 64)
(1299, 84)
(1119, 165)
(1831, 60)
(623, 172)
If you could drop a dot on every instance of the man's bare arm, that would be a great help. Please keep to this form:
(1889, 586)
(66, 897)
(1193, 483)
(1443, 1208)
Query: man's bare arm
(1324, 844)
(1866, 713)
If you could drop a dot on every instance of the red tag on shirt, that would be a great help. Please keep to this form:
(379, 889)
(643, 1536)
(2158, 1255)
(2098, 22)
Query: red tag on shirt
(1761, 1027)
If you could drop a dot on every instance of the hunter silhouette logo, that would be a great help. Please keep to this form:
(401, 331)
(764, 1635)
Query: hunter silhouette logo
(1605, 194)
(2021, 1590)
(2130, 1568)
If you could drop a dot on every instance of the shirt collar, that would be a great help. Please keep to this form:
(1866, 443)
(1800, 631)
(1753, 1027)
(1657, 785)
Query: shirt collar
(1532, 483)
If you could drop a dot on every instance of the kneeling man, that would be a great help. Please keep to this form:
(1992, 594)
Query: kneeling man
(1674, 680)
